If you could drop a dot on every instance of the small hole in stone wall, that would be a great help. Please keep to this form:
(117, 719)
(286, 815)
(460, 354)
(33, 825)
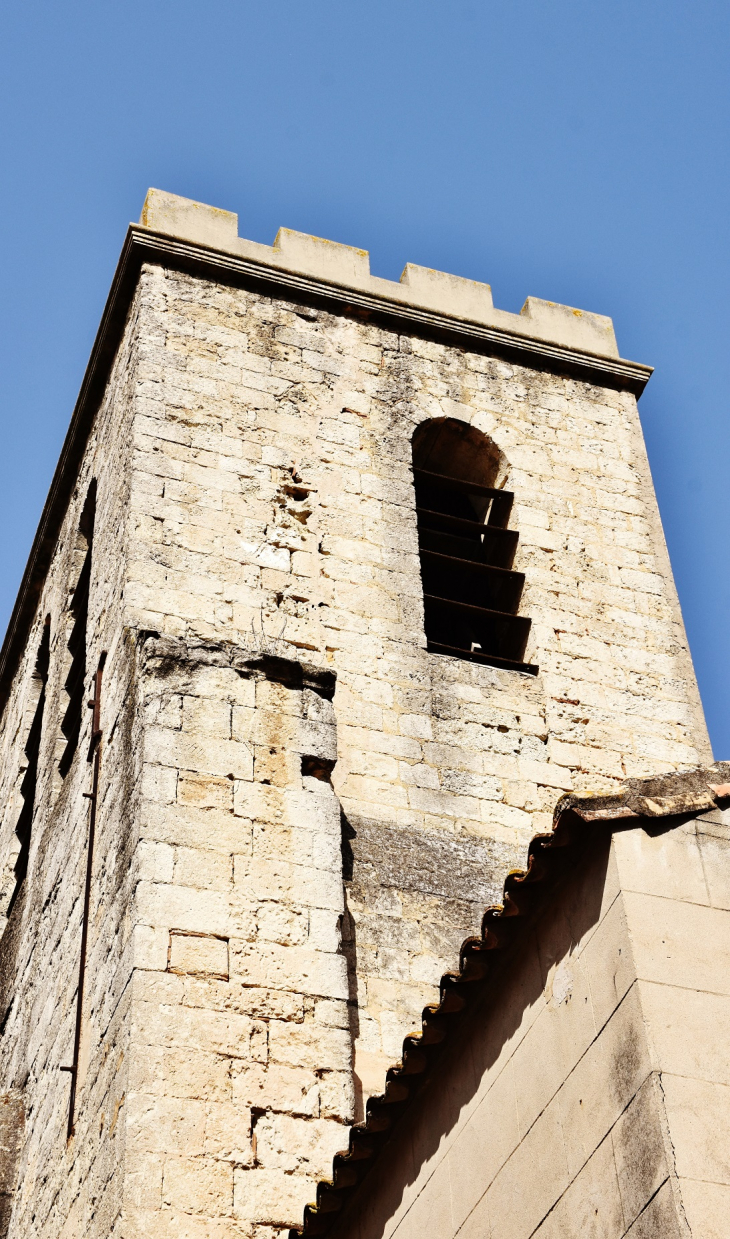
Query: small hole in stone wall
(317, 768)
(256, 1114)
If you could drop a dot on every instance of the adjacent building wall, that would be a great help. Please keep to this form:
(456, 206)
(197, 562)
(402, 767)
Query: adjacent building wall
(590, 1095)
(677, 901)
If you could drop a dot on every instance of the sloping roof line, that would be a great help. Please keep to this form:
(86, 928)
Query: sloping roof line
(549, 855)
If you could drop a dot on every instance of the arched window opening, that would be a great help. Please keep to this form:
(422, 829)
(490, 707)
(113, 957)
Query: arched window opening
(471, 593)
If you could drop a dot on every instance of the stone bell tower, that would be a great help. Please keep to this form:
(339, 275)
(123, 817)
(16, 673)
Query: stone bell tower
(357, 578)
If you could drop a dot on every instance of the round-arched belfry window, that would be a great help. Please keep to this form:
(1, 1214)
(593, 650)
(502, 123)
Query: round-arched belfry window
(471, 593)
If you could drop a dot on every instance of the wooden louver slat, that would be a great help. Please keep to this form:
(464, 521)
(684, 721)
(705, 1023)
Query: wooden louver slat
(471, 593)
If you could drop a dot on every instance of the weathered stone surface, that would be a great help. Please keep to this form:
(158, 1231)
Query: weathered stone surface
(12, 1127)
(301, 811)
(548, 1113)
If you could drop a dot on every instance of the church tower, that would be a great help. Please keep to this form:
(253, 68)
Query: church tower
(340, 585)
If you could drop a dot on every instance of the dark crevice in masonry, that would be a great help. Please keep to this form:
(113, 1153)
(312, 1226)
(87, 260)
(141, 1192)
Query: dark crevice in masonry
(168, 653)
(75, 683)
(348, 948)
(29, 783)
(5, 1018)
(317, 768)
(257, 1112)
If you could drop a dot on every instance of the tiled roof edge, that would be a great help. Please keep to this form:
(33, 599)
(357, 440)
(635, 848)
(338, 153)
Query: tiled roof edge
(675, 794)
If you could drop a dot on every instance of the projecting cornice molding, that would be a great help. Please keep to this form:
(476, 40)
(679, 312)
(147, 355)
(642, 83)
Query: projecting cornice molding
(144, 245)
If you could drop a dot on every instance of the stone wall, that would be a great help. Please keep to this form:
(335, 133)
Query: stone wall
(241, 1057)
(72, 1187)
(255, 511)
(274, 503)
(588, 1094)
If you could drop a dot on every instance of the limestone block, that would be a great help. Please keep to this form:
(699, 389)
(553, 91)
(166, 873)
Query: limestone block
(159, 783)
(150, 947)
(206, 715)
(171, 1223)
(199, 753)
(199, 1185)
(554, 1042)
(706, 1207)
(450, 294)
(180, 1073)
(143, 1180)
(699, 1126)
(285, 926)
(290, 1089)
(223, 1032)
(297, 1144)
(293, 967)
(688, 1031)
(228, 1133)
(610, 1073)
(273, 1197)
(203, 869)
(661, 1217)
(296, 1045)
(193, 221)
(591, 1205)
(183, 907)
(541, 1157)
(199, 954)
(166, 1124)
(476, 1224)
(156, 861)
(668, 865)
(490, 1136)
(204, 791)
(639, 1152)
(280, 878)
(432, 1207)
(207, 827)
(608, 959)
(714, 844)
(324, 259)
(664, 937)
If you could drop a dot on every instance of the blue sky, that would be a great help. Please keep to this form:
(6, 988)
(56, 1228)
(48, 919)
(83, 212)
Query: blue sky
(572, 151)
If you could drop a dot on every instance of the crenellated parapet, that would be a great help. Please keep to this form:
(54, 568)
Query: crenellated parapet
(350, 267)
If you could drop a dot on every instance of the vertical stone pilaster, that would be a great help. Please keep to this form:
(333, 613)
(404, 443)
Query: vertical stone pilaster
(240, 1054)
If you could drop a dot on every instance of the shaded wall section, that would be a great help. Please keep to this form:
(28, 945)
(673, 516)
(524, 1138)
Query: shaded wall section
(590, 1097)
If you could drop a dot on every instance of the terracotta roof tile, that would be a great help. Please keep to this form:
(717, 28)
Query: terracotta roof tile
(549, 855)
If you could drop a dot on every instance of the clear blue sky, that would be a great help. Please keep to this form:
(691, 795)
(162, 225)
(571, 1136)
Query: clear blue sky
(573, 151)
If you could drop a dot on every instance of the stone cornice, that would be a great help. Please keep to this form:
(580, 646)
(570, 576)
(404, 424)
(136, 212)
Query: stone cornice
(522, 348)
(144, 245)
